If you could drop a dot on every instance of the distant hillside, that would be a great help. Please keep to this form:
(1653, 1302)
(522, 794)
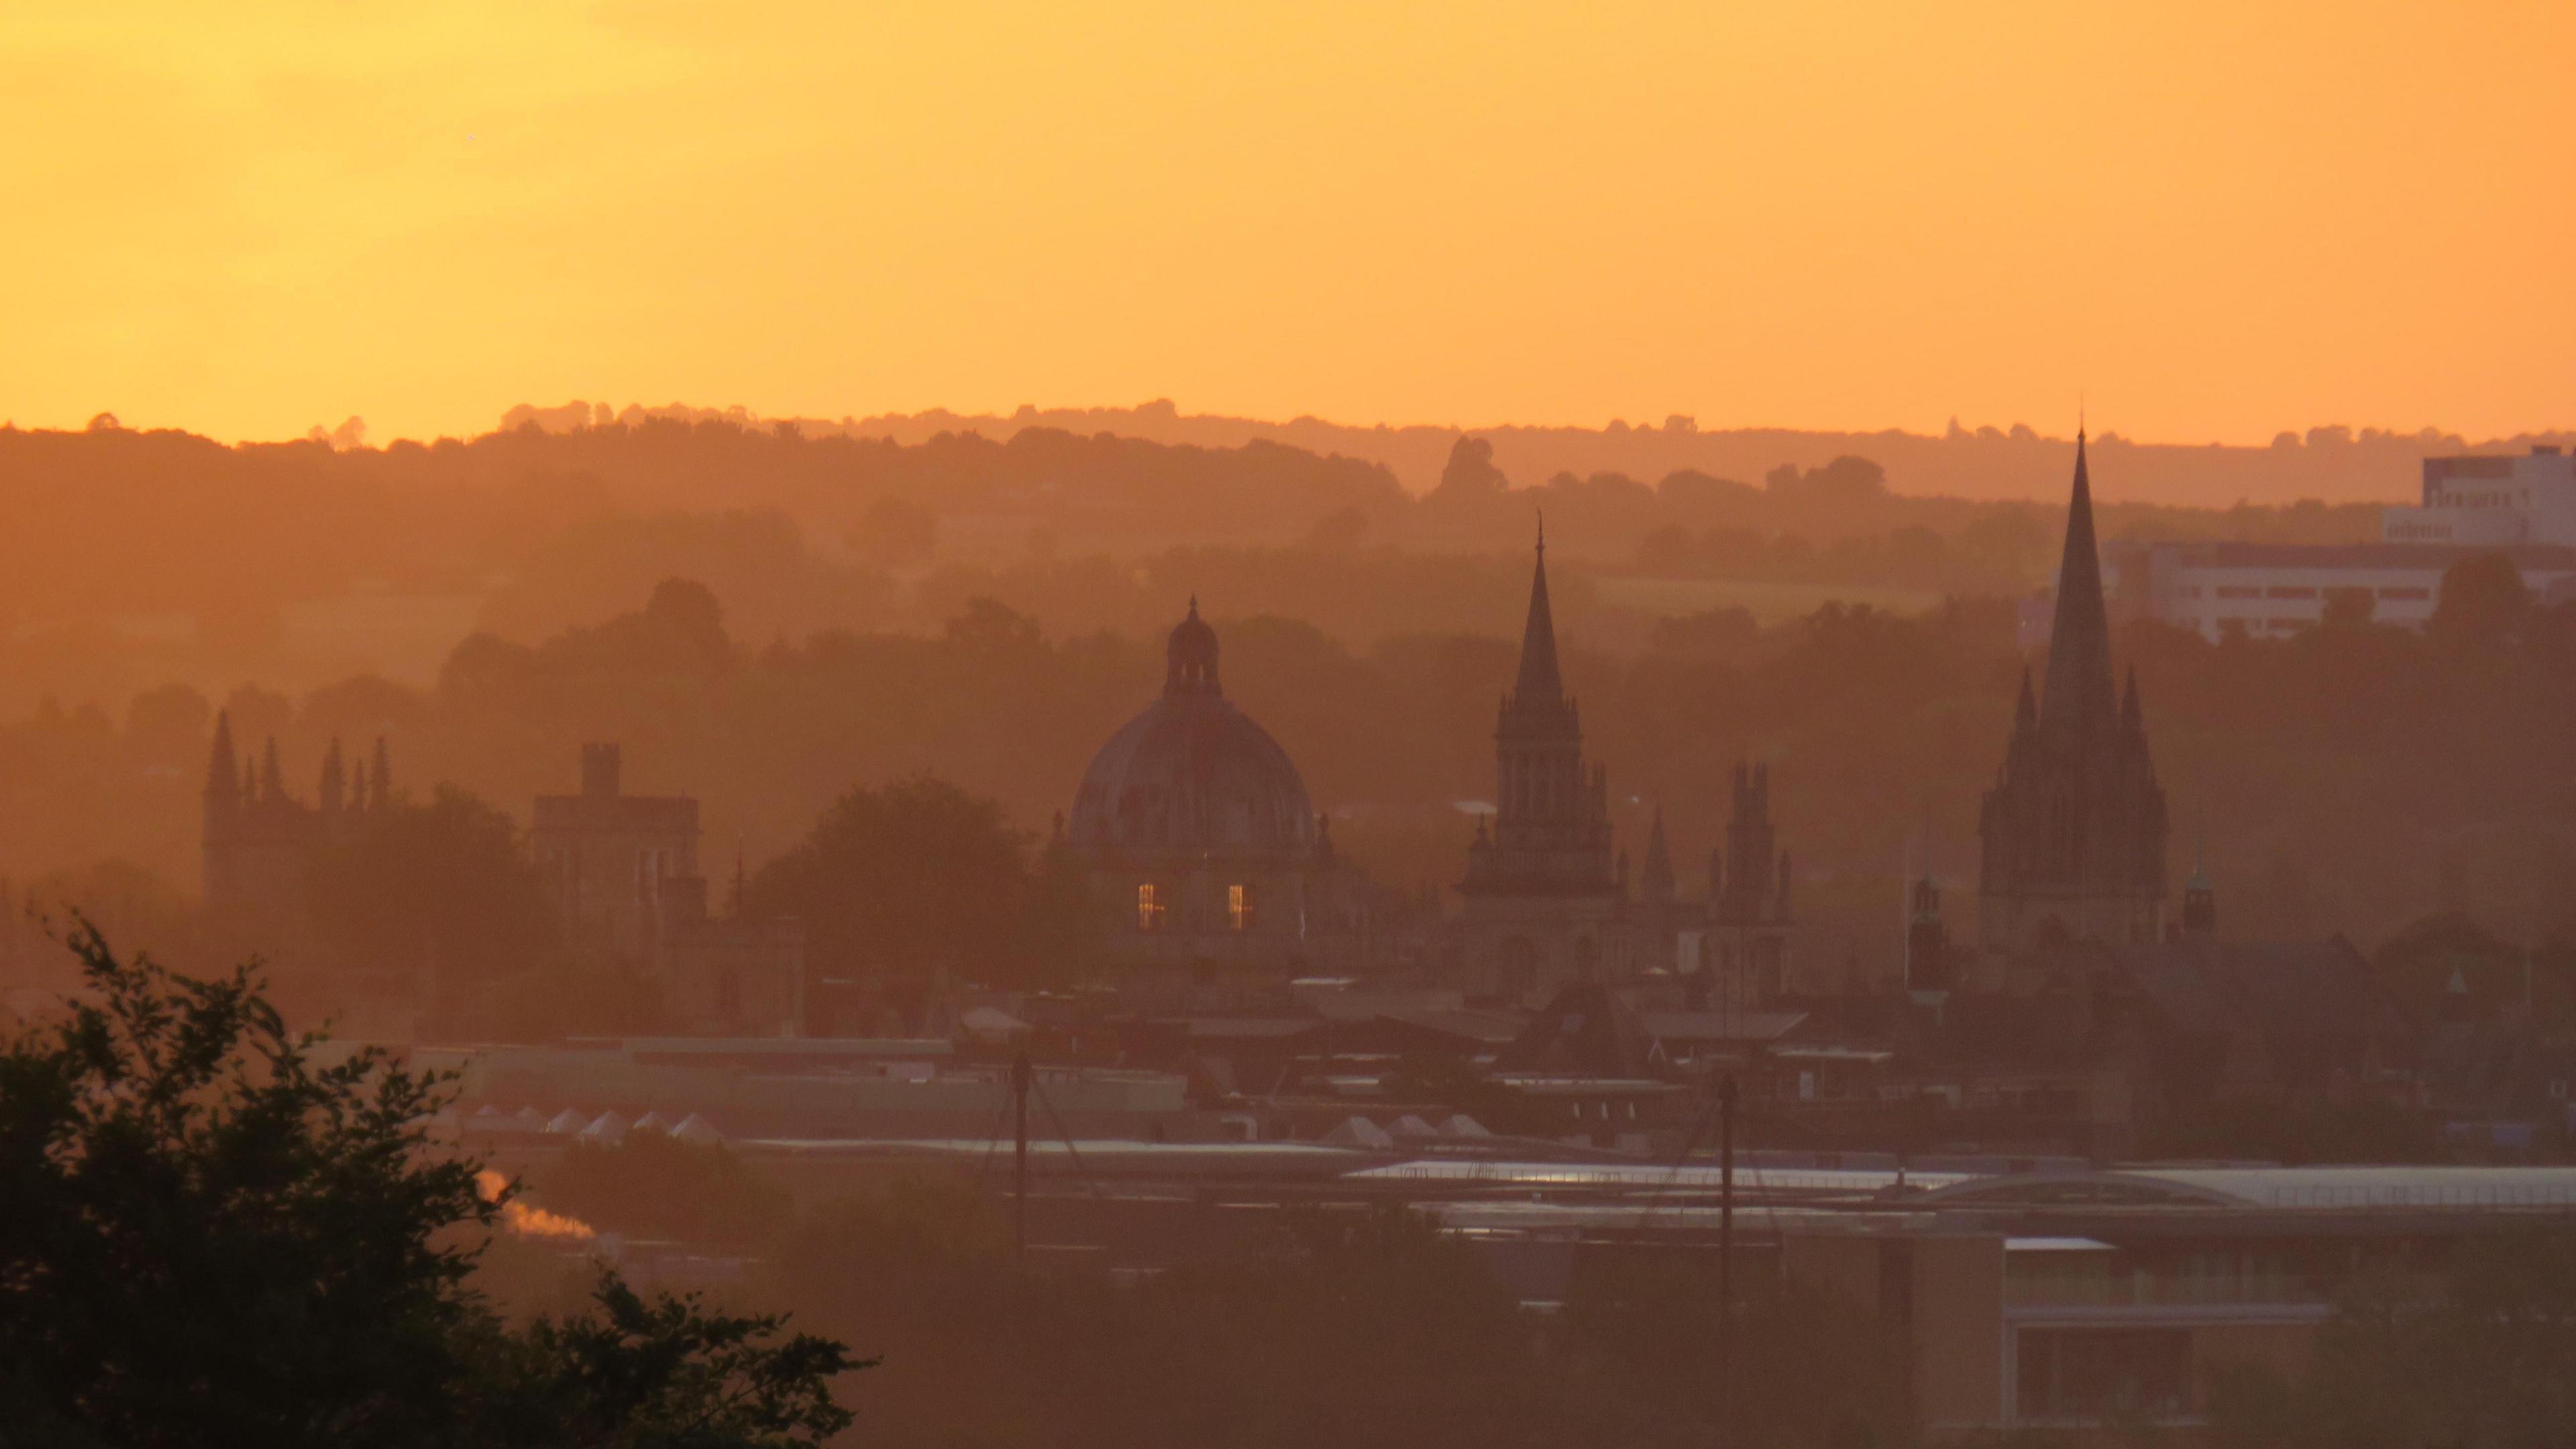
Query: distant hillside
(2333, 464)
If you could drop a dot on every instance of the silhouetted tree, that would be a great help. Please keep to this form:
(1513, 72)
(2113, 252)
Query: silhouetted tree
(214, 1236)
(914, 878)
(2482, 608)
(1470, 475)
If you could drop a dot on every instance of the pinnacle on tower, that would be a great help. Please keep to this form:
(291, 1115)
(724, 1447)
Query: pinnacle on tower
(335, 780)
(222, 783)
(1658, 878)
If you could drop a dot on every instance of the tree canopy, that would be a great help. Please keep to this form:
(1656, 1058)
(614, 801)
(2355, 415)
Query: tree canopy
(217, 1231)
(918, 877)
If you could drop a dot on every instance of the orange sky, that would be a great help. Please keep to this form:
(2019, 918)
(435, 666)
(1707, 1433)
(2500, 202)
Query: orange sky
(2218, 218)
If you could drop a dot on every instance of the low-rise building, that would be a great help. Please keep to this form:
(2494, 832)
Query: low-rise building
(2522, 506)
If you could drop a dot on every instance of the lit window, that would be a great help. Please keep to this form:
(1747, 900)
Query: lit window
(1149, 909)
(1238, 907)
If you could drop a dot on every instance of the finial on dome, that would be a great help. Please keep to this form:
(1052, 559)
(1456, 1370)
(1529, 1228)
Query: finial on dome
(1191, 656)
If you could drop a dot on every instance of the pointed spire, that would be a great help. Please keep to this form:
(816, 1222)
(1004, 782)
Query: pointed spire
(1659, 861)
(272, 780)
(335, 779)
(221, 783)
(2079, 695)
(1539, 684)
(2026, 709)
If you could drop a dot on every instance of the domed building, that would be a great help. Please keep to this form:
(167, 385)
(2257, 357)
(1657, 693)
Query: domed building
(1200, 844)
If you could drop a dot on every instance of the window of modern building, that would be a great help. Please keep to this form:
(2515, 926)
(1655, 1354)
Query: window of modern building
(1149, 909)
(1238, 907)
(2290, 591)
(2239, 591)
(2401, 592)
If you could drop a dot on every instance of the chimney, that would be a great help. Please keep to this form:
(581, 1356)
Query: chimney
(599, 766)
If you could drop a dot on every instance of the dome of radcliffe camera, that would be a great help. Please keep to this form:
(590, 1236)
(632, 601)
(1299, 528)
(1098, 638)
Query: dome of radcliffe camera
(1191, 772)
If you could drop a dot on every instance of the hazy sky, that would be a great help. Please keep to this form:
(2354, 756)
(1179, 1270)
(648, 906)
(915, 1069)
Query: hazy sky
(2217, 218)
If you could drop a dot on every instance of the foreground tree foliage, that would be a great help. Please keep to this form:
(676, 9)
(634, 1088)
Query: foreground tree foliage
(212, 1235)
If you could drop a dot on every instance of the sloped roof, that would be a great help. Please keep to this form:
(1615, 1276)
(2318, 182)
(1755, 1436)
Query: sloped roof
(1586, 1029)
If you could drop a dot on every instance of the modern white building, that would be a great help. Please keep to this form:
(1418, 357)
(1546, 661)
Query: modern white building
(2491, 500)
(2523, 507)
(2270, 590)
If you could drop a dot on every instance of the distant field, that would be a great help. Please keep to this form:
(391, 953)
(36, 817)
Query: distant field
(1768, 603)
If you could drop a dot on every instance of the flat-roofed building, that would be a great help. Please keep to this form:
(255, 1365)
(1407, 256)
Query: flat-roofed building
(2489, 500)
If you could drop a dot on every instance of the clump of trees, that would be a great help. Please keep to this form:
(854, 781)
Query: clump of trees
(216, 1233)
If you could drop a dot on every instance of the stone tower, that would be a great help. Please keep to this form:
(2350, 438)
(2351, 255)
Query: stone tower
(2073, 831)
(1542, 894)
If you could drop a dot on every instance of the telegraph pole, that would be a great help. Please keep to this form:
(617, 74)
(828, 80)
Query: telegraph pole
(1726, 1261)
(1021, 1076)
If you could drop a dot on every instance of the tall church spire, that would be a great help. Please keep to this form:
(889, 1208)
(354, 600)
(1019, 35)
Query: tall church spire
(2080, 695)
(1539, 685)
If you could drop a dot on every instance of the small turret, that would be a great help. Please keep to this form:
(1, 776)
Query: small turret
(223, 786)
(1927, 940)
(1659, 864)
(335, 780)
(2199, 900)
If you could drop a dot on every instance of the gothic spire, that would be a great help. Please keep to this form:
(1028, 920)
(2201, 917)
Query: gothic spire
(272, 780)
(2026, 710)
(2079, 695)
(1539, 684)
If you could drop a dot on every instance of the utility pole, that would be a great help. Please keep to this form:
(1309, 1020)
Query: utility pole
(1021, 1076)
(1726, 1261)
